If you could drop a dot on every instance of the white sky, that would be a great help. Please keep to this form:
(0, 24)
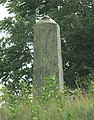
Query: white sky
(4, 12)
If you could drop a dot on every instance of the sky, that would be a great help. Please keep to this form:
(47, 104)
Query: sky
(3, 12)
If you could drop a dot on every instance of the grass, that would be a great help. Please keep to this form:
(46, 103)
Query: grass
(81, 108)
(48, 104)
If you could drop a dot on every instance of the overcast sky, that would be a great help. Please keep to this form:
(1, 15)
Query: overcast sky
(3, 12)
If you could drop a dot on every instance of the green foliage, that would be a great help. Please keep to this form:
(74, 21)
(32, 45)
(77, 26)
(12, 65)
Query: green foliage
(57, 106)
(16, 54)
(10, 102)
(75, 18)
(15, 102)
(49, 90)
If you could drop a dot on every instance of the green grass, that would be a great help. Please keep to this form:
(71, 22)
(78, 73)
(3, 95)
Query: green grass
(48, 104)
(81, 108)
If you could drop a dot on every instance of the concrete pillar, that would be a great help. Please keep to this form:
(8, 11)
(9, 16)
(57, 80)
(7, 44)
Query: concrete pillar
(47, 52)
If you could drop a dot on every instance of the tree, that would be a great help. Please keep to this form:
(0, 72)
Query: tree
(76, 22)
(16, 53)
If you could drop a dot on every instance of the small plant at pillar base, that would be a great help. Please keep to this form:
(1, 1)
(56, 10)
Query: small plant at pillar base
(50, 92)
(49, 98)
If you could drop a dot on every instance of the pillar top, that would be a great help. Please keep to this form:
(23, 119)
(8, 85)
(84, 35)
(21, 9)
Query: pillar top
(46, 19)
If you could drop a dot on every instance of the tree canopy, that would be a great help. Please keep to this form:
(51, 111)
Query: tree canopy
(76, 20)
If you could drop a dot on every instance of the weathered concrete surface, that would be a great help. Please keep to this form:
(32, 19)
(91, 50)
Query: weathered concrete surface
(47, 52)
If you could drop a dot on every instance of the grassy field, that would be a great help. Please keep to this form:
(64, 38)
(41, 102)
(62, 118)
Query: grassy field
(47, 104)
(80, 108)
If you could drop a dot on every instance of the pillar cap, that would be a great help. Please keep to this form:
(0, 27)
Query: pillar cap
(46, 19)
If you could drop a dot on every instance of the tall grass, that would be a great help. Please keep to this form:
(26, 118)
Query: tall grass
(81, 108)
(50, 105)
